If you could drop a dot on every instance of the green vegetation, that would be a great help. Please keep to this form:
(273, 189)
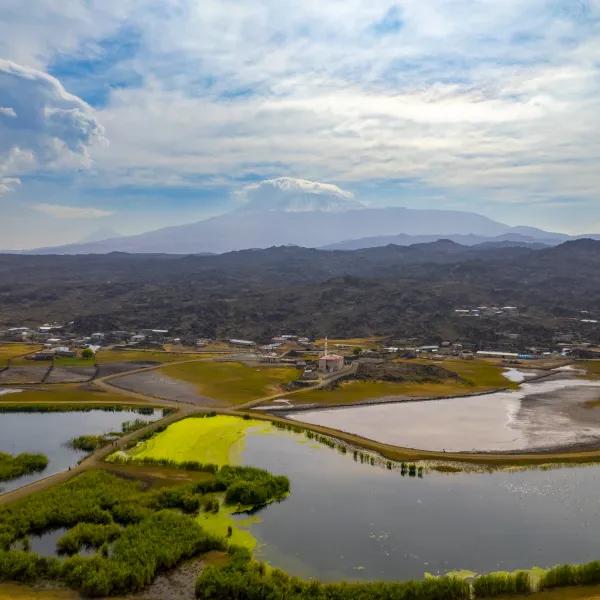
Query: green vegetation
(15, 591)
(591, 367)
(567, 575)
(130, 426)
(216, 440)
(498, 584)
(63, 393)
(149, 530)
(90, 535)
(12, 467)
(89, 443)
(123, 355)
(474, 376)
(6, 407)
(248, 486)
(232, 382)
(74, 361)
(13, 350)
(243, 578)
(87, 354)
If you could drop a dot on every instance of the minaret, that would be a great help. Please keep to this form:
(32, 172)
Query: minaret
(326, 353)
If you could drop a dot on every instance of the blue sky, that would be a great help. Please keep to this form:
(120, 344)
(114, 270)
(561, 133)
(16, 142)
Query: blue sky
(123, 116)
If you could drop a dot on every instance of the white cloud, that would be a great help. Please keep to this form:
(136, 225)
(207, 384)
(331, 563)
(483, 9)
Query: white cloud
(34, 34)
(8, 184)
(296, 195)
(60, 211)
(41, 125)
(488, 99)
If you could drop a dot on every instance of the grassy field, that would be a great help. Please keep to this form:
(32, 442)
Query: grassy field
(75, 361)
(234, 383)
(476, 376)
(8, 351)
(13, 591)
(71, 394)
(370, 343)
(592, 368)
(217, 440)
(111, 356)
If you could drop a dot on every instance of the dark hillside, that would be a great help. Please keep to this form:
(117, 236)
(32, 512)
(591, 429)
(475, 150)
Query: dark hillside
(403, 291)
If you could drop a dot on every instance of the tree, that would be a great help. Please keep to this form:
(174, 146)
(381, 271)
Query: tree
(87, 353)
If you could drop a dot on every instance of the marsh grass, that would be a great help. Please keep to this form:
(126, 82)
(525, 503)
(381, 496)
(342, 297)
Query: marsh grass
(25, 463)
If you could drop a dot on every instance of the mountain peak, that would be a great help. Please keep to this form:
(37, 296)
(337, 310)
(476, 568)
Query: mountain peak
(290, 194)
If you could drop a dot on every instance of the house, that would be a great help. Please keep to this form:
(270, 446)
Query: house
(496, 354)
(64, 351)
(330, 363)
(245, 343)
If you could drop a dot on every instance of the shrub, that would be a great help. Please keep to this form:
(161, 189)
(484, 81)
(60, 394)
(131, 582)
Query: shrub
(87, 534)
(12, 467)
(496, 584)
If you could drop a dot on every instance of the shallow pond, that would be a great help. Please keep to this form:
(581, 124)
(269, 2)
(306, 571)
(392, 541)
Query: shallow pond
(49, 432)
(347, 520)
(542, 414)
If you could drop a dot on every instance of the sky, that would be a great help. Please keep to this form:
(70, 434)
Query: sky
(121, 116)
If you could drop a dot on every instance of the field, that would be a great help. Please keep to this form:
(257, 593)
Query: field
(234, 383)
(8, 351)
(119, 355)
(13, 591)
(75, 361)
(477, 376)
(592, 368)
(65, 394)
(364, 343)
(216, 440)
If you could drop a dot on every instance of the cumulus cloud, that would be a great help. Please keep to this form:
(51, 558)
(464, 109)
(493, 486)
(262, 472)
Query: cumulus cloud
(509, 112)
(8, 184)
(41, 124)
(60, 211)
(291, 194)
(487, 100)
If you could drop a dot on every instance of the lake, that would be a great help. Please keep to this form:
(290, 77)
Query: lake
(541, 414)
(49, 432)
(347, 520)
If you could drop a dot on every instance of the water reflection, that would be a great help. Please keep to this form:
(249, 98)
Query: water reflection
(538, 415)
(347, 520)
(49, 432)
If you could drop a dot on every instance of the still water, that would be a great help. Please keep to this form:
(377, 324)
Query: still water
(347, 520)
(49, 433)
(537, 415)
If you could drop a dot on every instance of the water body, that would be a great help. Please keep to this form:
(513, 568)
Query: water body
(49, 432)
(45, 544)
(347, 520)
(540, 414)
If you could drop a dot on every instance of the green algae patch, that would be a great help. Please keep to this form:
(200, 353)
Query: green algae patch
(216, 440)
(219, 523)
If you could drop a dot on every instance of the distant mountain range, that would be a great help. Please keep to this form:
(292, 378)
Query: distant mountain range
(399, 291)
(324, 220)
